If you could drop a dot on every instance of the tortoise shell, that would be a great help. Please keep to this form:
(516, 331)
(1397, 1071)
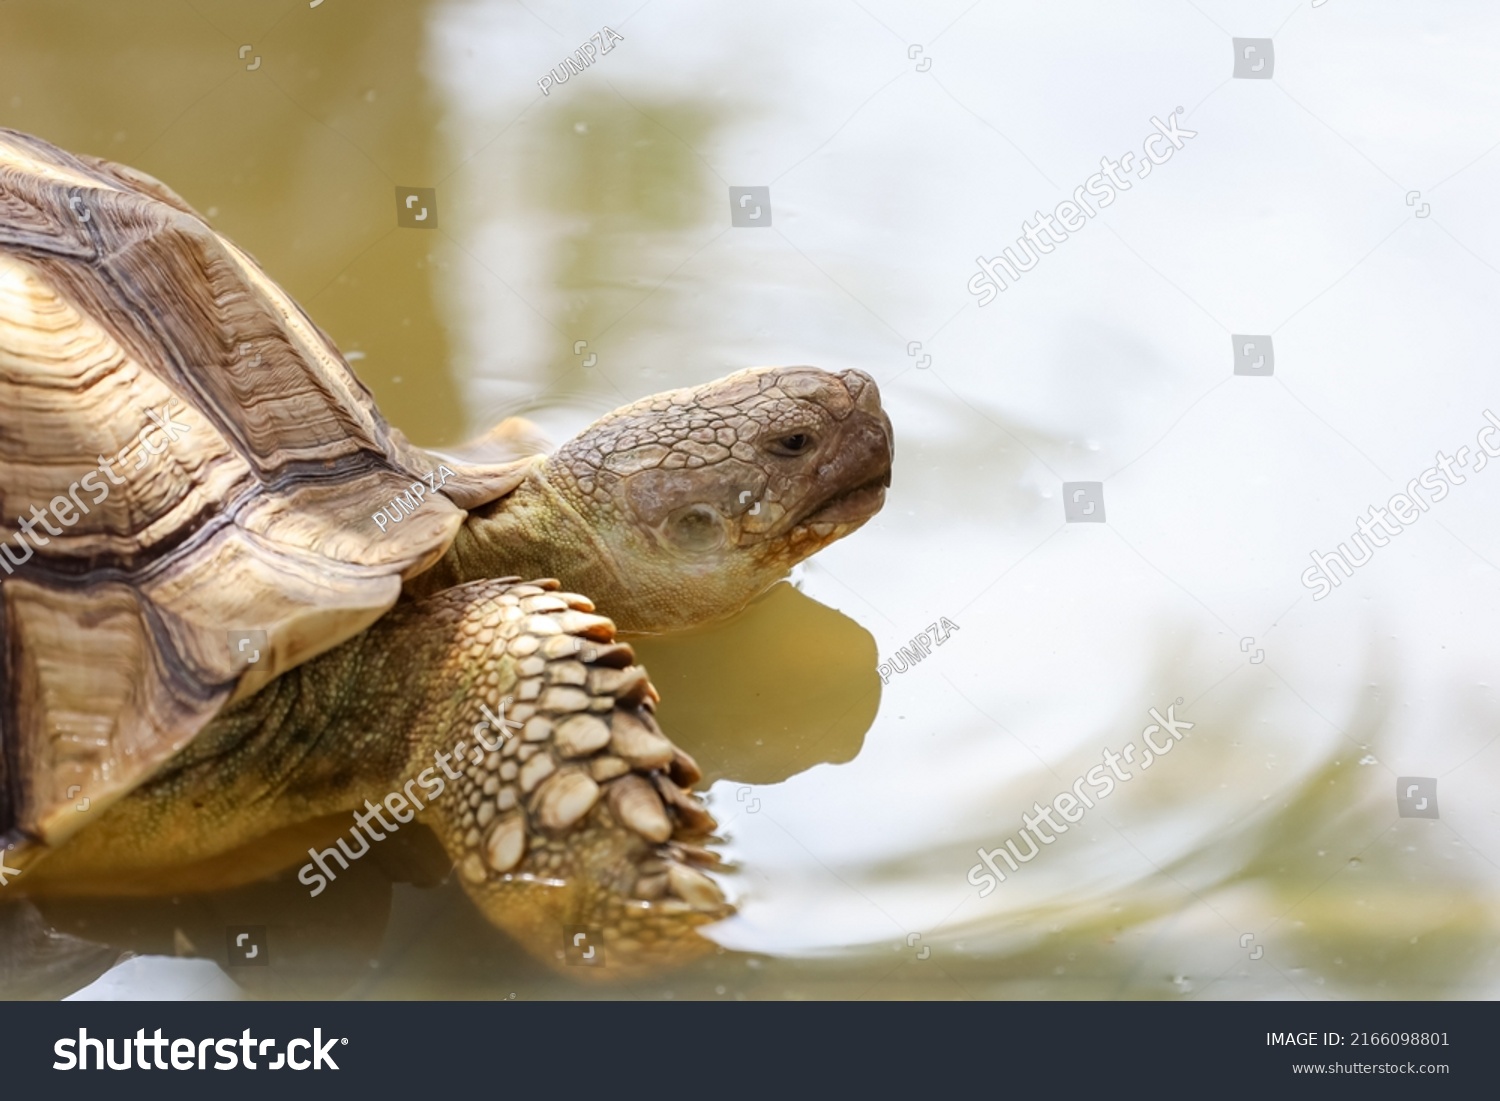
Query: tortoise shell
(189, 478)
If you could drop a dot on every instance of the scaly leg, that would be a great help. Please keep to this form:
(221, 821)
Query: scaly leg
(575, 812)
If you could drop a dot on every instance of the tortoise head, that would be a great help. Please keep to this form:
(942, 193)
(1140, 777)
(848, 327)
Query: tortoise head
(685, 506)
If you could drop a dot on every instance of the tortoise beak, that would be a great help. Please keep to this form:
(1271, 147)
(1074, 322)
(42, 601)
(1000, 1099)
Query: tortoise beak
(862, 467)
(866, 397)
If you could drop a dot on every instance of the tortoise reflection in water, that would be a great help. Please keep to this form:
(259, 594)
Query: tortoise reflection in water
(381, 644)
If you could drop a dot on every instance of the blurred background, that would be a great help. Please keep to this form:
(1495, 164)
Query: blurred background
(580, 251)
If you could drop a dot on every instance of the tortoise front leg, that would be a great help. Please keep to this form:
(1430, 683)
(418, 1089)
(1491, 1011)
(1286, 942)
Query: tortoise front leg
(537, 760)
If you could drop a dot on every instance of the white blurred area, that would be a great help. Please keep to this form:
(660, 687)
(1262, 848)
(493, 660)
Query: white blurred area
(1110, 361)
(160, 979)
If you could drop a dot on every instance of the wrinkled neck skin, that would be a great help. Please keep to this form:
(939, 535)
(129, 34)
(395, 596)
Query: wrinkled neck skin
(539, 531)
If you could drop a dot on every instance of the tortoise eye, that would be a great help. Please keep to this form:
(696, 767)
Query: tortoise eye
(794, 444)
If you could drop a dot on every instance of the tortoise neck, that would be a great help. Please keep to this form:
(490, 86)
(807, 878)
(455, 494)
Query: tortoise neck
(534, 531)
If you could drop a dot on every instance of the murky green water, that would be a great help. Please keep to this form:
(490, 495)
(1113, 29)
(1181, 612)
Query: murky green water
(852, 809)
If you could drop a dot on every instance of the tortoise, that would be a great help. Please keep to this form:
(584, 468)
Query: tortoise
(239, 606)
